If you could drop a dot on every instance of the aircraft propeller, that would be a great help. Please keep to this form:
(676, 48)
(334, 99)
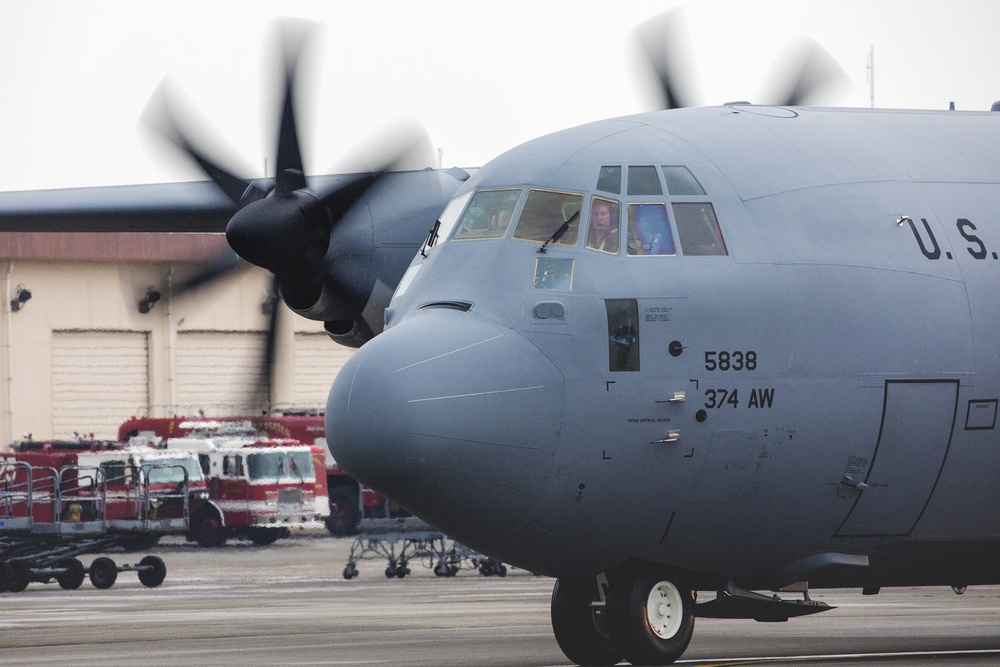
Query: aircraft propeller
(282, 224)
(808, 67)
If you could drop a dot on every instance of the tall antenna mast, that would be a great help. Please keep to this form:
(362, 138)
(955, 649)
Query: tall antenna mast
(871, 75)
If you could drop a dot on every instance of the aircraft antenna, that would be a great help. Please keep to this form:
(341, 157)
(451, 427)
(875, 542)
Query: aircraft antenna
(871, 75)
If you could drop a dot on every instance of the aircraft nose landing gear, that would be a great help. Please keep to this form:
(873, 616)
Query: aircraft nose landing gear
(650, 614)
(642, 613)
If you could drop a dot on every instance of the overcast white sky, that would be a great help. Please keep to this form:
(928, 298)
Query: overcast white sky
(482, 77)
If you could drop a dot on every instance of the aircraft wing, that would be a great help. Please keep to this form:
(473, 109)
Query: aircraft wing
(197, 206)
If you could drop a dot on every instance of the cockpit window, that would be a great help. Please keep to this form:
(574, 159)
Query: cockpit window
(610, 180)
(680, 181)
(442, 228)
(649, 230)
(545, 212)
(488, 215)
(602, 233)
(644, 181)
(698, 230)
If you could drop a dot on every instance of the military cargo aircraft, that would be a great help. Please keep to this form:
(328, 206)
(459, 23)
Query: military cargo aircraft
(671, 360)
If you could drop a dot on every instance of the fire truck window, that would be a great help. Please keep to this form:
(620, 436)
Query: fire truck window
(206, 464)
(232, 466)
(680, 181)
(270, 465)
(649, 230)
(301, 466)
(171, 471)
(644, 181)
(544, 214)
(610, 180)
(116, 472)
(698, 230)
(623, 334)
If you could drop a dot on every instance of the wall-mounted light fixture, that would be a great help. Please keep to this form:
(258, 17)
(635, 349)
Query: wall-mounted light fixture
(147, 302)
(21, 296)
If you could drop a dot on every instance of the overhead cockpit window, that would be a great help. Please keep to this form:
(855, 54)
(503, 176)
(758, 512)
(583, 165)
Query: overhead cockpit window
(602, 233)
(644, 181)
(680, 181)
(698, 230)
(649, 230)
(610, 180)
(488, 215)
(544, 214)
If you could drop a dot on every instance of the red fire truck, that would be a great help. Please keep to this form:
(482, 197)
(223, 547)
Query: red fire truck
(260, 488)
(349, 501)
(96, 481)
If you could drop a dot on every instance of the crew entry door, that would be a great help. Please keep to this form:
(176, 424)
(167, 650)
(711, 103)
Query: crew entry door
(917, 422)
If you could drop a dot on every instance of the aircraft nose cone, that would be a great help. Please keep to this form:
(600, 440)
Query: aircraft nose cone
(453, 416)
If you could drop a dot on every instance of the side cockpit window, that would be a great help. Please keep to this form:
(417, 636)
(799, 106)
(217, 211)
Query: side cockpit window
(488, 215)
(544, 214)
(698, 229)
(602, 232)
(649, 230)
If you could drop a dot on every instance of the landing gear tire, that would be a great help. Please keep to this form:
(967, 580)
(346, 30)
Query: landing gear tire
(208, 529)
(581, 629)
(650, 615)
(74, 573)
(103, 572)
(152, 571)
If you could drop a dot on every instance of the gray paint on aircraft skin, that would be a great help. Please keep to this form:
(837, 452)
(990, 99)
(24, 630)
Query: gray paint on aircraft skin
(825, 281)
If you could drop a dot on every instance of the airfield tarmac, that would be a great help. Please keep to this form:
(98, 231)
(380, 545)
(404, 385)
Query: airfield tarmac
(288, 605)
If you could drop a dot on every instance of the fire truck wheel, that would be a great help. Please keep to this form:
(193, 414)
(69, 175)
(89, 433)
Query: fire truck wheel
(103, 572)
(20, 576)
(153, 571)
(264, 536)
(74, 573)
(6, 574)
(344, 512)
(208, 529)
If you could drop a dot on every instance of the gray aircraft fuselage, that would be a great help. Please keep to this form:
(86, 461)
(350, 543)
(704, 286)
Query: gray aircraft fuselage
(815, 400)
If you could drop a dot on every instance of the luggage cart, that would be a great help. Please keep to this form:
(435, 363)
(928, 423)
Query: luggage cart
(415, 539)
(50, 517)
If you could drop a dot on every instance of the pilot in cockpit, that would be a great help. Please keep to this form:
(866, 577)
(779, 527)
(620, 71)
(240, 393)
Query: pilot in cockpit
(603, 231)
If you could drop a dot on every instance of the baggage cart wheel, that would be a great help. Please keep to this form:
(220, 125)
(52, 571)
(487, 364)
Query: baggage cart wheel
(6, 575)
(152, 571)
(103, 572)
(74, 573)
(20, 576)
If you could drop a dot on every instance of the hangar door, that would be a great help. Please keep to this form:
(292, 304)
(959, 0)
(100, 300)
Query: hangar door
(99, 379)
(217, 372)
(317, 362)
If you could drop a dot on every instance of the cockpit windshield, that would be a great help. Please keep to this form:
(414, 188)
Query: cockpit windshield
(545, 212)
(488, 215)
